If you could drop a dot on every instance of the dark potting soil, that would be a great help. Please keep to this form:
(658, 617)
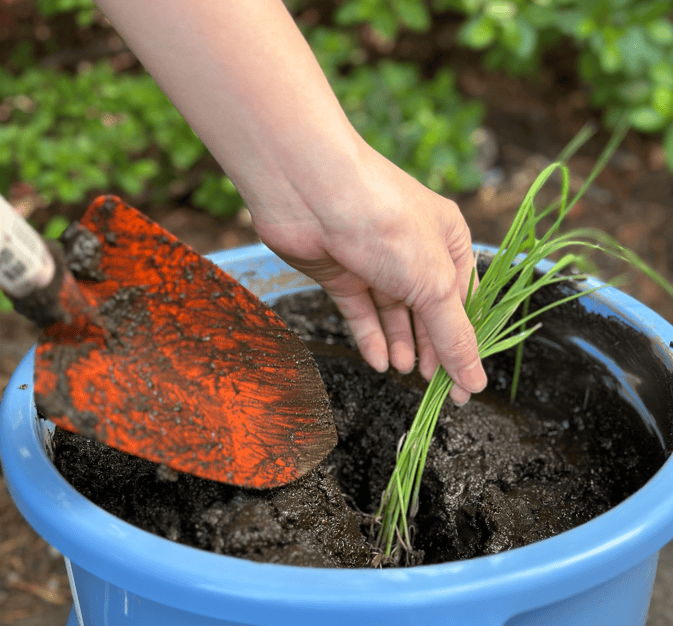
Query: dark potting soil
(499, 475)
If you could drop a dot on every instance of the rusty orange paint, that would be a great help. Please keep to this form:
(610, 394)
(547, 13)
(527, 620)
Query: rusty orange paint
(170, 359)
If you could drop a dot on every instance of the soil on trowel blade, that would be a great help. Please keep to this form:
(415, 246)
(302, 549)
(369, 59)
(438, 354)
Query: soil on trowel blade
(499, 474)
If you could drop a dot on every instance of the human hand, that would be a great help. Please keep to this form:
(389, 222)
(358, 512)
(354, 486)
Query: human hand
(394, 256)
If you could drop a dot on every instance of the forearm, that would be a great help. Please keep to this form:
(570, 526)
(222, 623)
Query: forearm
(245, 79)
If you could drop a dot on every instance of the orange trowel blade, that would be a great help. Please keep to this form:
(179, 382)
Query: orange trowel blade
(190, 369)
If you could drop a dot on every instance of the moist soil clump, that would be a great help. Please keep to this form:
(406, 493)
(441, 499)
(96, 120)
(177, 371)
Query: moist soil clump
(499, 474)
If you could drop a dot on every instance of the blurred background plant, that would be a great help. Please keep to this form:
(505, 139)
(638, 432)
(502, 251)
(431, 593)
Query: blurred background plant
(625, 47)
(74, 128)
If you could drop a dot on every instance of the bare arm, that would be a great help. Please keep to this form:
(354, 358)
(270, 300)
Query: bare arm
(392, 253)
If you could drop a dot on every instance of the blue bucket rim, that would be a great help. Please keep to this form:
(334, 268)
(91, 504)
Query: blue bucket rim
(511, 582)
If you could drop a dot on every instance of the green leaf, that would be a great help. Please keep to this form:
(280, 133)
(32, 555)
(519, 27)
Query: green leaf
(662, 101)
(130, 183)
(398, 77)
(637, 52)
(352, 12)
(479, 32)
(5, 154)
(538, 16)
(23, 55)
(471, 178)
(646, 119)
(54, 228)
(384, 23)
(145, 168)
(662, 72)
(333, 49)
(186, 154)
(93, 176)
(576, 24)
(69, 190)
(500, 10)
(471, 6)
(588, 66)
(413, 14)
(611, 59)
(384, 143)
(520, 37)
(85, 17)
(217, 195)
(444, 158)
(30, 169)
(660, 31)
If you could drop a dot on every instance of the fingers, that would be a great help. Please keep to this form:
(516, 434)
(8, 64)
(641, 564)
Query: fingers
(360, 312)
(428, 362)
(396, 323)
(383, 332)
(470, 376)
(381, 327)
(427, 359)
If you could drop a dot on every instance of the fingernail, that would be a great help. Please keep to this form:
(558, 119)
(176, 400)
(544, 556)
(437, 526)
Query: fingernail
(474, 378)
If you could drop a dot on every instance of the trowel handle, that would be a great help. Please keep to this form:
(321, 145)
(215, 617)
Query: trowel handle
(25, 262)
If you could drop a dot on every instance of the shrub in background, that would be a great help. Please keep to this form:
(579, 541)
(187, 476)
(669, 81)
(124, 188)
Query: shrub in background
(85, 10)
(625, 46)
(97, 130)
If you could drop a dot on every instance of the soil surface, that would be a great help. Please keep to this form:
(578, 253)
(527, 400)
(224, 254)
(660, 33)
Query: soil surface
(499, 475)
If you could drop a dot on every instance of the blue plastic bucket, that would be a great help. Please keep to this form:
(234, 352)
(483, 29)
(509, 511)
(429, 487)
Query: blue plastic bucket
(600, 573)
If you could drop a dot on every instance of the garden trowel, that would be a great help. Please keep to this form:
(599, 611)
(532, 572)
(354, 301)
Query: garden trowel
(152, 349)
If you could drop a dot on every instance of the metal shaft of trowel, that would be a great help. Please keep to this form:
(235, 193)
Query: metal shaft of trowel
(25, 262)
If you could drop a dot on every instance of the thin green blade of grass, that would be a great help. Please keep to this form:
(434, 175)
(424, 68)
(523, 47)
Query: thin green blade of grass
(613, 143)
(506, 343)
(609, 245)
(585, 133)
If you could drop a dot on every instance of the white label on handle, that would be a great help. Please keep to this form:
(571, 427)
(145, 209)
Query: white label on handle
(25, 262)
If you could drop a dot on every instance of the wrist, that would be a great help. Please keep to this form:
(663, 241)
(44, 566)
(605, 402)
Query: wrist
(308, 176)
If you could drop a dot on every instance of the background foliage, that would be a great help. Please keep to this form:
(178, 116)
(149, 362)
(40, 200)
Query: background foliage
(625, 47)
(74, 132)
